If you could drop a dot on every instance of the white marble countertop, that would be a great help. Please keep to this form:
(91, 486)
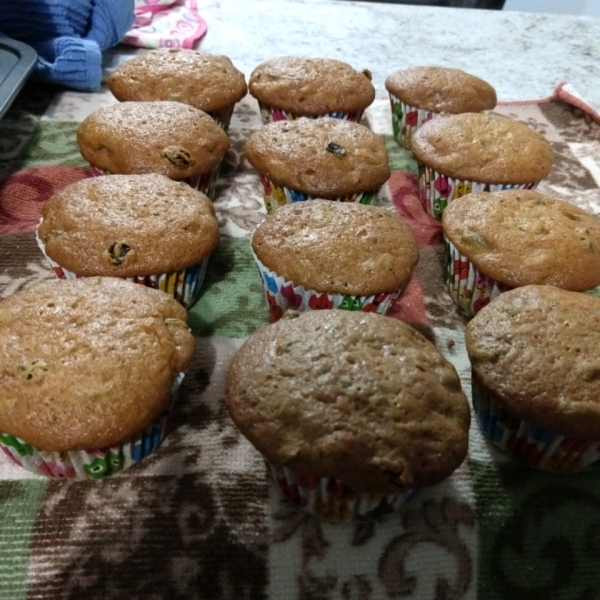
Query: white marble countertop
(523, 55)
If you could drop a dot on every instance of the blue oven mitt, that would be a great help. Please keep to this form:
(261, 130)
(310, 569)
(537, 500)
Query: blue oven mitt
(68, 35)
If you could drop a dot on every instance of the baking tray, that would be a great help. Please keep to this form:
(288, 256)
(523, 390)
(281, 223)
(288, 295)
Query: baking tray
(16, 63)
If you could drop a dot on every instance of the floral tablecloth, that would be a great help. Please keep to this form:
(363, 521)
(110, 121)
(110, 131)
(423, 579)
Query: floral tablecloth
(199, 518)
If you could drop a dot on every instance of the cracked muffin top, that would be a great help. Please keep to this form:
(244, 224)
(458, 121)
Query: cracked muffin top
(321, 157)
(536, 350)
(311, 86)
(482, 147)
(128, 226)
(441, 90)
(520, 237)
(88, 363)
(170, 138)
(356, 396)
(209, 82)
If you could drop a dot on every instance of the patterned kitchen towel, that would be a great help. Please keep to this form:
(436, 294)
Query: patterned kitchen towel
(166, 24)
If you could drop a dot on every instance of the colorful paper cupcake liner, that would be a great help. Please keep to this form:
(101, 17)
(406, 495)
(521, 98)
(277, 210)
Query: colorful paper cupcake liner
(205, 183)
(92, 463)
(270, 114)
(222, 117)
(282, 294)
(407, 119)
(184, 285)
(331, 500)
(532, 445)
(276, 196)
(470, 289)
(436, 190)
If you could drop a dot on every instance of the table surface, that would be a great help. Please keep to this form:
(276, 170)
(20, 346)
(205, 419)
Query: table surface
(523, 55)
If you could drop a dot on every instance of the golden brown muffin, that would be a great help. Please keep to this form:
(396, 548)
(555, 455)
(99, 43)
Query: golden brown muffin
(209, 82)
(88, 363)
(356, 396)
(536, 350)
(441, 90)
(482, 147)
(128, 225)
(519, 237)
(337, 247)
(169, 138)
(324, 157)
(311, 86)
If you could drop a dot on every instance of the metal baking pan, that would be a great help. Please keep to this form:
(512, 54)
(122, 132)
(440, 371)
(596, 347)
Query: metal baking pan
(16, 63)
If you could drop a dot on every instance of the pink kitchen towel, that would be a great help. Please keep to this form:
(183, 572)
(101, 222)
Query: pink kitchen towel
(166, 24)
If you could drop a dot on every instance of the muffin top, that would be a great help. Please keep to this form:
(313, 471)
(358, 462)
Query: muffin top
(483, 147)
(207, 81)
(337, 247)
(170, 138)
(311, 86)
(520, 237)
(128, 225)
(88, 363)
(536, 349)
(441, 90)
(321, 157)
(356, 396)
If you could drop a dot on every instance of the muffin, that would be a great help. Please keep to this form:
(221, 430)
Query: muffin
(145, 228)
(289, 87)
(323, 254)
(536, 376)
(476, 152)
(418, 94)
(501, 240)
(353, 412)
(325, 158)
(209, 82)
(169, 138)
(89, 372)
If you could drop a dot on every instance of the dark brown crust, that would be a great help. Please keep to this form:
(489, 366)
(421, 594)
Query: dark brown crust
(536, 349)
(311, 86)
(294, 154)
(360, 250)
(482, 147)
(521, 237)
(165, 226)
(441, 90)
(356, 396)
(88, 363)
(169, 138)
(209, 82)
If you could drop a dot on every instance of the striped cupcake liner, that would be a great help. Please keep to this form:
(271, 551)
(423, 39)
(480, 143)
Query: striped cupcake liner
(436, 190)
(532, 445)
(282, 294)
(184, 285)
(91, 463)
(406, 119)
(270, 114)
(205, 182)
(470, 289)
(276, 196)
(222, 117)
(331, 500)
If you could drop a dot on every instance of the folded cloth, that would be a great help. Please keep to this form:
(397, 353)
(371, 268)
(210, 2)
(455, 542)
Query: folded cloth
(166, 24)
(68, 35)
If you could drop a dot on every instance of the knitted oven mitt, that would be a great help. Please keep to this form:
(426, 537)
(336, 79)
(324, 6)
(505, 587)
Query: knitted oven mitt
(68, 35)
